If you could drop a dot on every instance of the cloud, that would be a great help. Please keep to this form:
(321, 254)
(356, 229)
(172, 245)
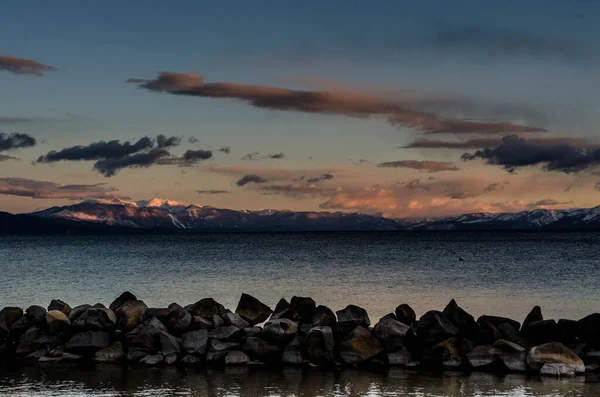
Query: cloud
(50, 190)
(167, 142)
(23, 66)
(16, 140)
(110, 166)
(547, 203)
(515, 152)
(296, 190)
(4, 157)
(18, 120)
(98, 150)
(424, 143)
(197, 155)
(253, 156)
(493, 187)
(193, 139)
(275, 156)
(350, 104)
(324, 177)
(225, 149)
(428, 166)
(415, 184)
(252, 178)
(213, 191)
(360, 161)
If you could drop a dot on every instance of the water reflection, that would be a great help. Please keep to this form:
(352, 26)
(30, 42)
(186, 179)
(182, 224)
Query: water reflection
(113, 380)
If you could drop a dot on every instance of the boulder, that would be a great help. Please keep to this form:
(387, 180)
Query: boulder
(541, 332)
(161, 313)
(57, 304)
(115, 352)
(207, 308)
(280, 309)
(57, 321)
(36, 314)
(217, 350)
(319, 345)
(485, 333)
(400, 357)
(78, 311)
(236, 357)
(171, 359)
(262, 350)
(200, 323)
(169, 344)
(217, 321)
(252, 331)
(130, 314)
(26, 342)
(569, 331)
(390, 333)
(179, 321)
(87, 343)
(558, 370)
(175, 306)
(135, 356)
(280, 331)
(353, 316)
(96, 319)
(21, 325)
(152, 359)
(292, 353)
(195, 342)
(252, 310)
(120, 301)
(512, 355)
(405, 314)
(434, 327)
(482, 356)
(301, 310)
(555, 353)
(324, 317)
(47, 341)
(459, 317)
(534, 315)
(146, 336)
(589, 330)
(9, 315)
(359, 346)
(508, 333)
(189, 359)
(496, 321)
(235, 319)
(225, 332)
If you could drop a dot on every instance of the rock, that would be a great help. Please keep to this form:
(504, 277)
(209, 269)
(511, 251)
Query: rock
(534, 315)
(87, 343)
(459, 317)
(353, 316)
(482, 356)
(57, 304)
(26, 342)
(261, 350)
(400, 357)
(200, 323)
(47, 359)
(114, 352)
(99, 319)
(485, 333)
(390, 333)
(236, 357)
(434, 327)
(217, 321)
(540, 332)
(589, 330)
(151, 360)
(512, 355)
(57, 352)
(169, 344)
(252, 310)
(47, 341)
(569, 331)
(510, 334)
(217, 350)
(301, 309)
(236, 320)
(292, 353)
(496, 321)
(405, 314)
(120, 301)
(359, 346)
(170, 359)
(280, 331)
(146, 336)
(280, 309)
(36, 355)
(451, 350)
(559, 370)
(224, 333)
(324, 317)
(21, 325)
(130, 314)
(161, 313)
(319, 345)
(9, 315)
(189, 359)
(135, 356)
(78, 311)
(555, 353)
(207, 308)
(175, 306)
(252, 331)
(57, 321)
(179, 321)
(195, 342)
(36, 314)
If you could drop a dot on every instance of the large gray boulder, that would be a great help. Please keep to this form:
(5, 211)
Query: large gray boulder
(324, 317)
(146, 336)
(36, 314)
(301, 310)
(405, 314)
(225, 333)
(96, 319)
(57, 321)
(512, 355)
(115, 352)
(236, 357)
(169, 344)
(557, 354)
(482, 356)
(390, 333)
(260, 349)
(319, 345)
(207, 308)
(130, 314)
(459, 317)
(87, 343)
(9, 315)
(280, 331)
(179, 321)
(252, 310)
(57, 304)
(353, 316)
(359, 346)
(121, 299)
(195, 342)
(235, 319)
(434, 327)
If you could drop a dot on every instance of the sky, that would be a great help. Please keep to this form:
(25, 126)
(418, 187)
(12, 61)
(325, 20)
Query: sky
(399, 108)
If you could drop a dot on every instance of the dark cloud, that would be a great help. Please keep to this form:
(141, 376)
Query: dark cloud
(462, 194)
(197, 155)
(4, 157)
(275, 156)
(225, 149)
(167, 142)
(360, 161)
(252, 178)
(490, 142)
(428, 166)
(324, 177)
(253, 156)
(293, 190)
(547, 203)
(415, 184)
(98, 150)
(50, 190)
(23, 66)
(349, 104)
(16, 140)
(193, 139)
(18, 120)
(213, 191)
(110, 166)
(515, 152)
(493, 187)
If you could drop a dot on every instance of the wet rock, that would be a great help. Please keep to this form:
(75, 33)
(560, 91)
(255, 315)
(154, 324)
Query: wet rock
(171, 359)
(236, 357)
(195, 342)
(225, 332)
(235, 319)
(57, 321)
(280, 331)
(405, 314)
(161, 313)
(135, 356)
(114, 352)
(252, 310)
(120, 301)
(558, 370)
(400, 357)
(146, 336)
(540, 332)
(589, 330)
(510, 334)
(353, 316)
(26, 342)
(179, 321)
(9, 315)
(57, 352)
(359, 346)
(200, 323)
(319, 345)
(555, 353)
(459, 317)
(512, 355)
(152, 359)
(434, 327)
(47, 359)
(324, 317)
(169, 344)
(292, 353)
(534, 315)
(260, 349)
(87, 343)
(301, 310)
(390, 333)
(36, 314)
(207, 308)
(280, 309)
(496, 321)
(190, 359)
(57, 304)
(217, 350)
(130, 314)
(482, 356)
(36, 355)
(78, 311)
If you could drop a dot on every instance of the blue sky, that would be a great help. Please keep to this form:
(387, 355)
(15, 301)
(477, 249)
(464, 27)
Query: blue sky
(531, 63)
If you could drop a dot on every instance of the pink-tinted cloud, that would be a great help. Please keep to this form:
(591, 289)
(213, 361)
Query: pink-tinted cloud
(16, 65)
(50, 190)
(427, 165)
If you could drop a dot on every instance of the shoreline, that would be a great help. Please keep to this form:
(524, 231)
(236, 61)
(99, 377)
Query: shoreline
(298, 333)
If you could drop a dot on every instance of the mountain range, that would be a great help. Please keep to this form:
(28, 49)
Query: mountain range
(159, 215)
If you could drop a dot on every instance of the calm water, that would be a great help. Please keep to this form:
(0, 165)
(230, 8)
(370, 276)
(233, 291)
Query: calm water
(502, 273)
